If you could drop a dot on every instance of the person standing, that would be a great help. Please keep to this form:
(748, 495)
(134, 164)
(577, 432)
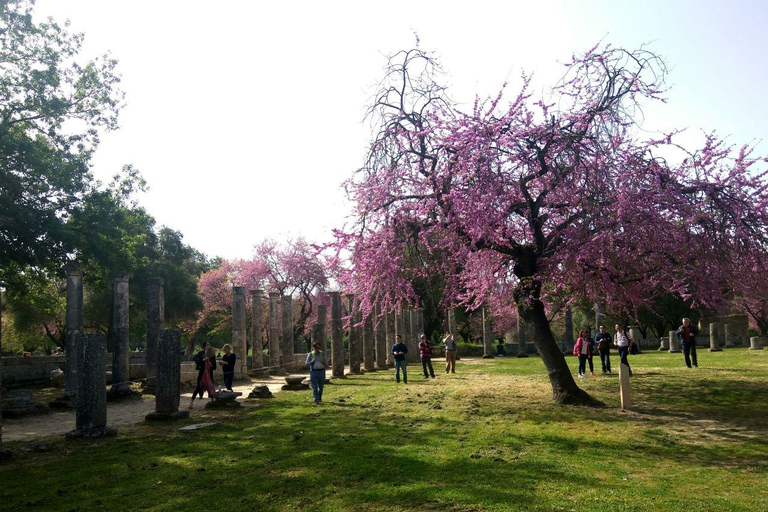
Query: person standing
(205, 373)
(399, 349)
(687, 334)
(583, 350)
(228, 365)
(450, 353)
(623, 342)
(317, 364)
(603, 340)
(425, 352)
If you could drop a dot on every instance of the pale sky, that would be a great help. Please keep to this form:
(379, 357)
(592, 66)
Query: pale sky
(245, 117)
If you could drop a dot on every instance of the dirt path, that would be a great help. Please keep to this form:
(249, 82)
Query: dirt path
(119, 414)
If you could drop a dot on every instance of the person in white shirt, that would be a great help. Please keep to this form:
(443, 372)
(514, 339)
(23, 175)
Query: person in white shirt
(623, 342)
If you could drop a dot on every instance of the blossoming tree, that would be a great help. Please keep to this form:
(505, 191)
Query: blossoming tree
(525, 200)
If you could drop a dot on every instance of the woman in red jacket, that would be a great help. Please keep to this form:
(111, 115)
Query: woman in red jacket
(583, 350)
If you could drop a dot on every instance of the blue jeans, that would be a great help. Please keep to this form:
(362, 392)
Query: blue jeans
(398, 365)
(317, 380)
(623, 352)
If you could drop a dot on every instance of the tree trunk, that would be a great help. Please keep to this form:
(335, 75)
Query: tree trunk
(527, 296)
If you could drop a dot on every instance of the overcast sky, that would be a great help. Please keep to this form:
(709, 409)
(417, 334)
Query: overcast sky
(245, 117)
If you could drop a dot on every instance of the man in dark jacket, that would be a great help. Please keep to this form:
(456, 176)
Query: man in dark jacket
(399, 349)
(687, 334)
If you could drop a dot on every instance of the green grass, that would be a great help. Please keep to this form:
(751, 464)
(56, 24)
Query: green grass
(487, 438)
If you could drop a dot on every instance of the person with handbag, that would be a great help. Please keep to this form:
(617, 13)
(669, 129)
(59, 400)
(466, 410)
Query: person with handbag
(205, 375)
(583, 350)
(603, 340)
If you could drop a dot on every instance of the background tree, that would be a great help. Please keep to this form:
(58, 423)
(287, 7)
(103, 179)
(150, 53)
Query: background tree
(516, 195)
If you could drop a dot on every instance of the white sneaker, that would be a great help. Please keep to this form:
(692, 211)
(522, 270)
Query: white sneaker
(581, 375)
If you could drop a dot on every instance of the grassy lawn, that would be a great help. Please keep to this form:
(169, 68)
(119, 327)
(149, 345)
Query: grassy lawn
(487, 438)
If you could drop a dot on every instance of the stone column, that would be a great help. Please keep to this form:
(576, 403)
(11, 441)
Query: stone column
(121, 380)
(522, 341)
(274, 331)
(354, 335)
(337, 336)
(91, 409)
(487, 335)
(569, 328)
(168, 378)
(728, 336)
(755, 343)
(674, 342)
(257, 352)
(287, 342)
(239, 333)
(74, 327)
(714, 339)
(637, 336)
(322, 321)
(369, 344)
(624, 387)
(382, 352)
(155, 324)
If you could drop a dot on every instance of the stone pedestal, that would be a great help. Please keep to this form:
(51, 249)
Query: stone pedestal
(239, 333)
(91, 410)
(224, 400)
(337, 337)
(714, 339)
(286, 343)
(674, 342)
(274, 330)
(729, 341)
(296, 382)
(637, 336)
(121, 379)
(487, 335)
(624, 388)
(155, 324)
(167, 395)
(664, 343)
(257, 343)
(756, 343)
(261, 392)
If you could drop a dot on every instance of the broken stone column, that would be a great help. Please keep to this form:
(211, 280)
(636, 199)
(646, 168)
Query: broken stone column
(569, 328)
(239, 333)
(274, 331)
(74, 327)
(337, 336)
(380, 324)
(286, 344)
(91, 409)
(155, 324)
(755, 343)
(369, 344)
(522, 341)
(168, 395)
(729, 343)
(257, 351)
(487, 335)
(663, 343)
(121, 380)
(674, 342)
(714, 340)
(624, 388)
(354, 335)
(637, 336)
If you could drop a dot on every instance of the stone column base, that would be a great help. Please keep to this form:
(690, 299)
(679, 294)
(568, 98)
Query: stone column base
(63, 402)
(167, 416)
(489, 356)
(676, 351)
(715, 350)
(91, 433)
(261, 373)
(115, 395)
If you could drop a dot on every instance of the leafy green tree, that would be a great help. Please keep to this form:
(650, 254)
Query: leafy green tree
(53, 104)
